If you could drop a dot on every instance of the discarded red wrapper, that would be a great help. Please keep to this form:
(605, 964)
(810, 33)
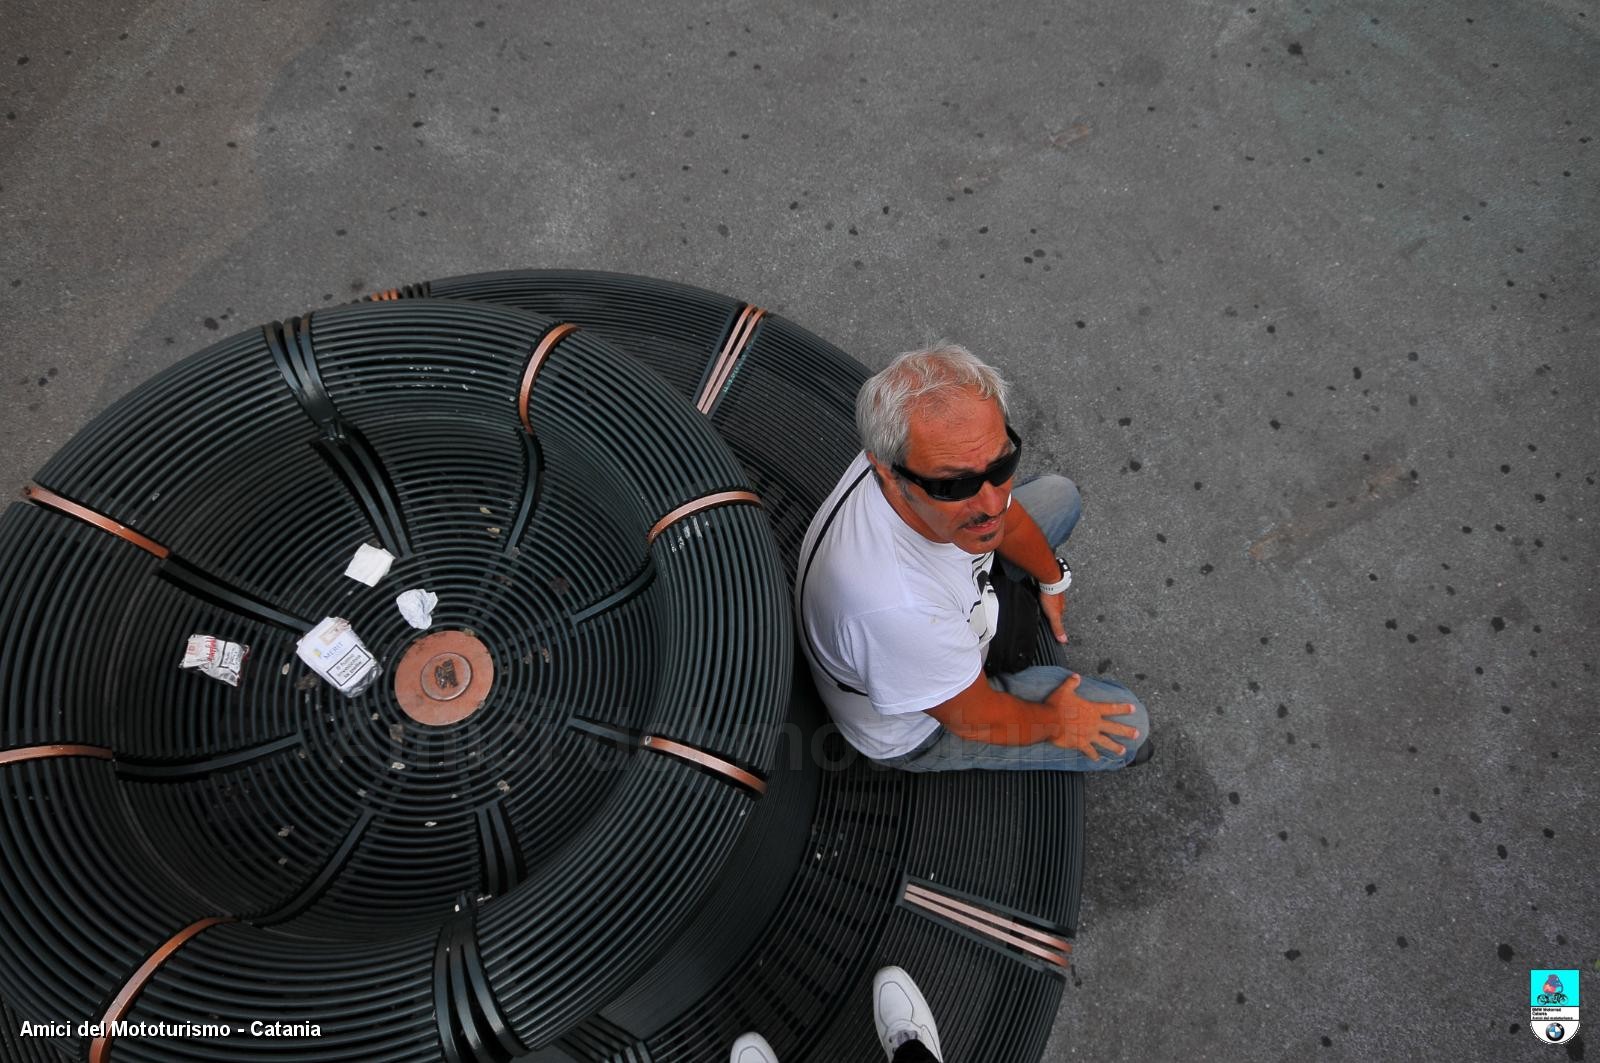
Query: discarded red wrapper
(215, 657)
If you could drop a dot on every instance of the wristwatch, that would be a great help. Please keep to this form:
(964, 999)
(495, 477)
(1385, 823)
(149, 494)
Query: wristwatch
(1061, 584)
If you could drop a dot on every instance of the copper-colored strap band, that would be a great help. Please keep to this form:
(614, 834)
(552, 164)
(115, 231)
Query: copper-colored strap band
(738, 339)
(721, 498)
(540, 353)
(705, 760)
(1000, 921)
(46, 497)
(100, 1047)
(984, 923)
(386, 295)
(21, 753)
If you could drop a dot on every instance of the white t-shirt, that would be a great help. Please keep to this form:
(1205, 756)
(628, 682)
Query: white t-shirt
(903, 621)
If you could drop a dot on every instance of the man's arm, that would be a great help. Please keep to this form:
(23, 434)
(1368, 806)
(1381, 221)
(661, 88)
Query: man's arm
(1024, 545)
(984, 714)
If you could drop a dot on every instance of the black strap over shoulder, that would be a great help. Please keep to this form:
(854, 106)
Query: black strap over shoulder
(805, 573)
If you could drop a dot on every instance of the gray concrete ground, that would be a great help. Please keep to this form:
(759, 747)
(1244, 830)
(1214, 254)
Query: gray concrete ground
(1303, 294)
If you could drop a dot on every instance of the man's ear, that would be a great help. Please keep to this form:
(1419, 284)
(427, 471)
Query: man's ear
(879, 469)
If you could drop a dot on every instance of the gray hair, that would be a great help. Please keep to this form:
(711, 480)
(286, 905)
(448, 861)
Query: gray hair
(884, 404)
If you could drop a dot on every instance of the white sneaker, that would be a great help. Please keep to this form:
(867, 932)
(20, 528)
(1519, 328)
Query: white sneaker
(752, 1048)
(901, 1014)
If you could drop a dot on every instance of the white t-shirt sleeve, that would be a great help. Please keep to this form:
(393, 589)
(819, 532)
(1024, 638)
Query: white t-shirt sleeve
(913, 659)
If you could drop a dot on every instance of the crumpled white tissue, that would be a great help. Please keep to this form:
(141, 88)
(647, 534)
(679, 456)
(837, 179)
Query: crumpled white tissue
(416, 605)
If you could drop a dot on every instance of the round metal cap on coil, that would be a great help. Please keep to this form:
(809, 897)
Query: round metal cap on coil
(444, 677)
(594, 705)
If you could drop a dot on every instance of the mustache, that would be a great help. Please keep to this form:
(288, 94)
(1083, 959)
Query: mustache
(986, 517)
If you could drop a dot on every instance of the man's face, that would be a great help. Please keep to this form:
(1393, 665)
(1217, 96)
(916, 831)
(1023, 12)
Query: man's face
(958, 437)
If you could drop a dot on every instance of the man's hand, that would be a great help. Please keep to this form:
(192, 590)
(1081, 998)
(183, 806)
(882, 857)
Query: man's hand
(1054, 608)
(1084, 724)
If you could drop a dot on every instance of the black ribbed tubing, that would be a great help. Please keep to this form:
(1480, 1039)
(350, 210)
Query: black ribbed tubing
(667, 326)
(339, 835)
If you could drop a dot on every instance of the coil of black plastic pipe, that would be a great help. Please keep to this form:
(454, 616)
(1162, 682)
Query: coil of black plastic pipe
(538, 874)
(411, 889)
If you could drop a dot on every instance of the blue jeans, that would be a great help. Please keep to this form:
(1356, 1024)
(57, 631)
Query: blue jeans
(1054, 504)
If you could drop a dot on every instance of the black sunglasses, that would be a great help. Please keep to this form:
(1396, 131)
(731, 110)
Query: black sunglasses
(958, 488)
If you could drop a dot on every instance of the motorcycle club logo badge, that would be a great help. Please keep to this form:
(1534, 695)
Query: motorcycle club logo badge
(1554, 1006)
